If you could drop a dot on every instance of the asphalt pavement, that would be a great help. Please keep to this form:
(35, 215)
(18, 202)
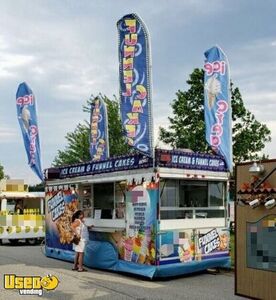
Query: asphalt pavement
(98, 284)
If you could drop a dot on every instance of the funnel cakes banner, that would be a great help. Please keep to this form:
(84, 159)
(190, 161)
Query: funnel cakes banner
(217, 104)
(60, 206)
(135, 83)
(99, 148)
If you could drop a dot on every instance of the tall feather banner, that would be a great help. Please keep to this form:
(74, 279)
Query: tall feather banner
(26, 113)
(217, 104)
(135, 83)
(99, 145)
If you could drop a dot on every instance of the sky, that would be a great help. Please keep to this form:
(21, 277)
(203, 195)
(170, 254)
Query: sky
(67, 50)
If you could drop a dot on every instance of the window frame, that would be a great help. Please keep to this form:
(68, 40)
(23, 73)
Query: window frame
(195, 214)
(114, 207)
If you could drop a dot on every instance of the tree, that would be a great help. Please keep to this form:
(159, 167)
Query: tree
(77, 149)
(37, 188)
(2, 174)
(187, 126)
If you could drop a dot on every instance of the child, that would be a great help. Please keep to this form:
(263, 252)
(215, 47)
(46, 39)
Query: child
(81, 230)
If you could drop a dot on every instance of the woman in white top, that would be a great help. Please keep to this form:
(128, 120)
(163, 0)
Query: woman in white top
(81, 230)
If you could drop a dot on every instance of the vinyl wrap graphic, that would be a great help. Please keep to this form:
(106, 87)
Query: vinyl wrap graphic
(135, 83)
(60, 206)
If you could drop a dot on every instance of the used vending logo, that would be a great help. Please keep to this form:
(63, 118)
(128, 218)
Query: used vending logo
(209, 242)
(30, 285)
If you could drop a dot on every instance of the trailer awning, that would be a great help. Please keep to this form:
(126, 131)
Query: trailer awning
(21, 195)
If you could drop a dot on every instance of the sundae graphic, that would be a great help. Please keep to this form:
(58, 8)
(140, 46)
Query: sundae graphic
(128, 249)
(213, 88)
(184, 251)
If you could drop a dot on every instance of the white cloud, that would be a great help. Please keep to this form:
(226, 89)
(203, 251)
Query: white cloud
(7, 135)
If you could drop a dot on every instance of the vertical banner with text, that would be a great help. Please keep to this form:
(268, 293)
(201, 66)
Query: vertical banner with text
(26, 113)
(99, 146)
(217, 104)
(135, 83)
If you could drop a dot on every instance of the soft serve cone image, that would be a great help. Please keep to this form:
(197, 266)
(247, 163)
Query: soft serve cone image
(213, 88)
(143, 251)
(26, 117)
(136, 249)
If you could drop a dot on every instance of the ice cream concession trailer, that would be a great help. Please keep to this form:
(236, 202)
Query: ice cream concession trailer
(155, 218)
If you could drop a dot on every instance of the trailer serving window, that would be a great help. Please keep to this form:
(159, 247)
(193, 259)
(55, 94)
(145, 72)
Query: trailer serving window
(182, 199)
(104, 199)
(109, 198)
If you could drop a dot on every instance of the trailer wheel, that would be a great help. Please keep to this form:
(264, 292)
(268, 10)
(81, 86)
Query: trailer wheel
(31, 241)
(14, 241)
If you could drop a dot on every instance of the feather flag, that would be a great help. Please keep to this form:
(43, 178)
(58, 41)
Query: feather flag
(26, 113)
(135, 83)
(99, 145)
(217, 104)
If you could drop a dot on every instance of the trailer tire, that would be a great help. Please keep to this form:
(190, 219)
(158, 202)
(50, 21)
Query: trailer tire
(14, 242)
(32, 242)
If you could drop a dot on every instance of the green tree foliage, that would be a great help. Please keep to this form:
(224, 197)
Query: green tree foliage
(37, 188)
(2, 175)
(77, 149)
(187, 127)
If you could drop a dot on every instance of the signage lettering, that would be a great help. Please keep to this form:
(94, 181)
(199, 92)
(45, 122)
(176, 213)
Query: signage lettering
(215, 67)
(209, 242)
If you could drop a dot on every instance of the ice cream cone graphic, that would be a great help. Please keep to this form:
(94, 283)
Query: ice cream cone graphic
(137, 245)
(136, 249)
(211, 99)
(128, 249)
(143, 252)
(213, 88)
(26, 117)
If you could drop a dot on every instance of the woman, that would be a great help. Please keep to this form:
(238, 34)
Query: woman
(81, 230)
(18, 208)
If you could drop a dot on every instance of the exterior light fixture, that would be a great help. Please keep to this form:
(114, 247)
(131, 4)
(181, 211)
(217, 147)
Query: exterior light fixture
(255, 203)
(256, 168)
(270, 203)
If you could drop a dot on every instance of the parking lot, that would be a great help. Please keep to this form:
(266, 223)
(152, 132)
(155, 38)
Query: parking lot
(30, 261)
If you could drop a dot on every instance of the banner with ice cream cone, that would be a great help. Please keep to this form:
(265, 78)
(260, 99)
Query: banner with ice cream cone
(26, 113)
(99, 146)
(217, 104)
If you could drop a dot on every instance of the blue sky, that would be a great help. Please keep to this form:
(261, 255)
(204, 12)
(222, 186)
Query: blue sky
(67, 50)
